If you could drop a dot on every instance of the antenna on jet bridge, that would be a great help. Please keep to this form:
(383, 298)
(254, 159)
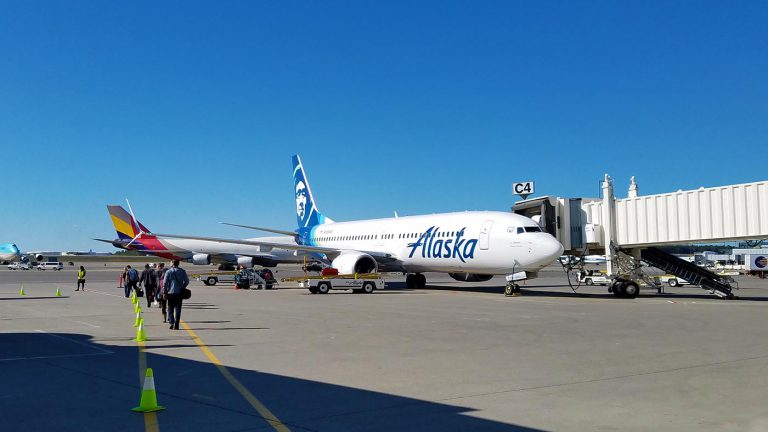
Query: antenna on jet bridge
(136, 221)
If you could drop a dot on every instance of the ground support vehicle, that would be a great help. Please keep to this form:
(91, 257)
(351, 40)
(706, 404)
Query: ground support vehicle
(18, 266)
(593, 277)
(358, 283)
(255, 279)
(674, 281)
(51, 265)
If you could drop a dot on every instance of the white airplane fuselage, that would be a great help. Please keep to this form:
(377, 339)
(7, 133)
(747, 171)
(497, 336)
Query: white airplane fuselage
(481, 242)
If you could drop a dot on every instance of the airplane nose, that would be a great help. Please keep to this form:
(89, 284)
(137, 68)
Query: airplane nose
(548, 251)
(556, 249)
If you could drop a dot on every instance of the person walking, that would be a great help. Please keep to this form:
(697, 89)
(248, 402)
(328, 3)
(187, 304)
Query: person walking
(176, 280)
(148, 279)
(81, 278)
(123, 281)
(130, 280)
(160, 296)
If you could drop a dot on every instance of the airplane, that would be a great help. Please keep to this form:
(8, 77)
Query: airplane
(594, 259)
(9, 252)
(470, 246)
(133, 235)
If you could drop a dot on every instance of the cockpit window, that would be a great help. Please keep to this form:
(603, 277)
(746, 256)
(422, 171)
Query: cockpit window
(533, 229)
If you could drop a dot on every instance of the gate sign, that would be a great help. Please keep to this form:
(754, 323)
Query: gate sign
(523, 189)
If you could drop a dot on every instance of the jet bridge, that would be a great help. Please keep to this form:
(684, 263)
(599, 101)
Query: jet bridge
(628, 229)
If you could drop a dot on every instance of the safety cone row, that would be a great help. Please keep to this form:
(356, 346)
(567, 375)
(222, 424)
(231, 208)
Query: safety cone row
(148, 395)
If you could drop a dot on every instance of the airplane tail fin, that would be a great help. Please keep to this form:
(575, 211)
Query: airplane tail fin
(127, 228)
(307, 213)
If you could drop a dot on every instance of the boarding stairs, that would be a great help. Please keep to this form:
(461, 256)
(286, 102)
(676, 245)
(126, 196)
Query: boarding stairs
(683, 269)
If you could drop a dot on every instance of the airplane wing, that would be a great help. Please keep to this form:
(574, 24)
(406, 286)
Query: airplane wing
(272, 230)
(328, 251)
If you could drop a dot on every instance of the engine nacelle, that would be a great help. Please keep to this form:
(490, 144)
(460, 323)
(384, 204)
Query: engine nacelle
(246, 262)
(470, 277)
(201, 259)
(354, 262)
(39, 258)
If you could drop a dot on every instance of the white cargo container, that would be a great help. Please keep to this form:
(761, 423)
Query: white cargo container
(755, 262)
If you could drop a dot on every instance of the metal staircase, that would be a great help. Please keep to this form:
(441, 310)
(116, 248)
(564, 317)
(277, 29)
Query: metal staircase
(716, 284)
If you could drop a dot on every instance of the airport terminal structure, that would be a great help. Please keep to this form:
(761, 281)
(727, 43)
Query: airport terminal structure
(628, 229)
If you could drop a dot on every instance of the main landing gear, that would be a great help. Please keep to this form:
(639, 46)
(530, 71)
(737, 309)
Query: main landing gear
(511, 289)
(417, 280)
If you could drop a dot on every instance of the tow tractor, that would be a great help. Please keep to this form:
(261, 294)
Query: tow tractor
(331, 280)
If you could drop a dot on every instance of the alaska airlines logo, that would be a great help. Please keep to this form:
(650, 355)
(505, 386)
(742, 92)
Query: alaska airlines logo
(432, 247)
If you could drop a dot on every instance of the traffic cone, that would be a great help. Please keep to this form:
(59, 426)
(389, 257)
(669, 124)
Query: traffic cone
(141, 336)
(136, 308)
(138, 319)
(22, 290)
(58, 292)
(148, 395)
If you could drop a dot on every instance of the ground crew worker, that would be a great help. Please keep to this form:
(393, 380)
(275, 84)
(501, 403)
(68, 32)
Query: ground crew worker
(81, 278)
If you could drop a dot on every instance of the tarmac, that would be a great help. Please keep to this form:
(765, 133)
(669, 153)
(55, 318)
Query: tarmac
(451, 357)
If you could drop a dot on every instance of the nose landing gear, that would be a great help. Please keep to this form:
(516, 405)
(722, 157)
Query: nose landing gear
(511, 289)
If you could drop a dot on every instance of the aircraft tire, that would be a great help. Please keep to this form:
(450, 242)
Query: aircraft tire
(323, 287)
(410, 281)
(509, 289)
(421, 280)
(631, 289)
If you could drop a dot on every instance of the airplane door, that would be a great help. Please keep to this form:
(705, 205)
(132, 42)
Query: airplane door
(485, 234)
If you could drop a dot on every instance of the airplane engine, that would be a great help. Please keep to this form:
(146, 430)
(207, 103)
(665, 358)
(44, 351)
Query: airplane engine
(246, 262)
(201, 259)
(39, 257)
(470, 277)
(348, 263)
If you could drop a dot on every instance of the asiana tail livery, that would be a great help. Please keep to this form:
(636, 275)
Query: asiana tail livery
(470, 246)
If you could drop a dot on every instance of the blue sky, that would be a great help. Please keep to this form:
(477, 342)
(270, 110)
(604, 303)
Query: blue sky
(193, 109)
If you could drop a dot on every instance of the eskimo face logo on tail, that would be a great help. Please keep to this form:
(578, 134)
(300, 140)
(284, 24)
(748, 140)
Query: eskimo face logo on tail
(301, 200)
(433, 246)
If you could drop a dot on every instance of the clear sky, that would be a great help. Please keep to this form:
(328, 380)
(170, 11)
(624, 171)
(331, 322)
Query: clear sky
(193, 109)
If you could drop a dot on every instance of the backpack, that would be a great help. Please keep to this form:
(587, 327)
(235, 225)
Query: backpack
(133, 275)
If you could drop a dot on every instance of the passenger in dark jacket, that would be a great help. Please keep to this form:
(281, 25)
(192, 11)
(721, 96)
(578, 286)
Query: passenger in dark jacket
(148, 279)
(175, 281)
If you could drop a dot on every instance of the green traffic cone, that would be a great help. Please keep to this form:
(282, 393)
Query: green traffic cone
(148, 395)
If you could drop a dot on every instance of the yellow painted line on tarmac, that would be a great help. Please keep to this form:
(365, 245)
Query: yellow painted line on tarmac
(150, 418)
(265, 413)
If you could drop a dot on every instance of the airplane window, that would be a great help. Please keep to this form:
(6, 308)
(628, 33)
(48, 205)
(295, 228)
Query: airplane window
(532, 229)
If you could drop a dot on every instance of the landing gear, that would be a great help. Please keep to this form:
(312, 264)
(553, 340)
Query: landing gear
(511, 289)
(624, 288)
(413, 281)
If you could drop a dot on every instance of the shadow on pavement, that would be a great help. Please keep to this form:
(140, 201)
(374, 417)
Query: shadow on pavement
(74, 384)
